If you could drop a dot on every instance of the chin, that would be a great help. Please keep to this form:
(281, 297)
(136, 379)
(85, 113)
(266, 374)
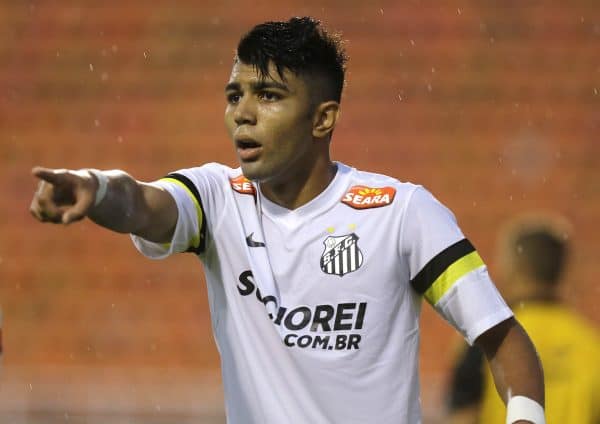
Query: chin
(253, 171)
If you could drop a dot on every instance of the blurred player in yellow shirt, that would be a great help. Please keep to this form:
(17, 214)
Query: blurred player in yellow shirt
(532, 255)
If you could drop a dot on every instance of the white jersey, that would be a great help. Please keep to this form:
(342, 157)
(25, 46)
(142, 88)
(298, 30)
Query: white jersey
(315, 311)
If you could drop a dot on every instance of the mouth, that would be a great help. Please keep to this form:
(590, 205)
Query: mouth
(248, 149)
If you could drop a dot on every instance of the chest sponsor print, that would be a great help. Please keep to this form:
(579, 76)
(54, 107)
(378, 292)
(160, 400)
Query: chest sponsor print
(362, 197)
(341, 255)
(242, 185)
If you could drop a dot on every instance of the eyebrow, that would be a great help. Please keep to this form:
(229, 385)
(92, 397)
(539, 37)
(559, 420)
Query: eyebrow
(257, 86)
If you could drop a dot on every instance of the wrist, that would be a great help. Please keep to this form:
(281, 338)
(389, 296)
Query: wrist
(522, 408)
(102, 180)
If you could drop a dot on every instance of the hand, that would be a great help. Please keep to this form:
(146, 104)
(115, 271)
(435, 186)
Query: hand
(63, 196)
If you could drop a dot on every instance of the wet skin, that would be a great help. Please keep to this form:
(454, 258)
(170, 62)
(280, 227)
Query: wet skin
(272, 121)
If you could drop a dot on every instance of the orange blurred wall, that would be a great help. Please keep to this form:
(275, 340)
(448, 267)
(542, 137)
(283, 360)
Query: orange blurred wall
(495, 108)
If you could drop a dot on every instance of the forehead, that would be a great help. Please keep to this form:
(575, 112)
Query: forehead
(243, 73)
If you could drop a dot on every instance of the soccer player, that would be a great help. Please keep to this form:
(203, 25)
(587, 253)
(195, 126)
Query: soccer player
(315, 270)
(533, 252)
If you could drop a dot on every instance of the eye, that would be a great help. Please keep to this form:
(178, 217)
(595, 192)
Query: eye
(233, 98)
(269, 96)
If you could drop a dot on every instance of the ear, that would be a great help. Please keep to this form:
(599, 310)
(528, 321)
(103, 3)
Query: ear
(325, 118)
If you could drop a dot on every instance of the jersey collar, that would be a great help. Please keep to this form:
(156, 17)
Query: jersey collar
(322, 202)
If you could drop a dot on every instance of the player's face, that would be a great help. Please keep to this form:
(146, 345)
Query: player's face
(270, 121)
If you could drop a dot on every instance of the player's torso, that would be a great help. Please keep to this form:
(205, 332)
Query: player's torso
(336, 269)
(315, 304)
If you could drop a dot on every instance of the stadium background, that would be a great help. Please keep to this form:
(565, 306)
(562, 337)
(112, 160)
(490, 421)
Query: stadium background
(494, 106)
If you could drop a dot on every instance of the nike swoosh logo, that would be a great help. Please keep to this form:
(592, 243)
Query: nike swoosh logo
(253, 243)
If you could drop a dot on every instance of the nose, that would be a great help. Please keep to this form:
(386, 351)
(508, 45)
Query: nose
(245, 111)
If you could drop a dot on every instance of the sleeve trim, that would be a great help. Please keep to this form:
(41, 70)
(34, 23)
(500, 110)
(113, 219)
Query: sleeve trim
(439, 264)
(453, 273)
(198, 242)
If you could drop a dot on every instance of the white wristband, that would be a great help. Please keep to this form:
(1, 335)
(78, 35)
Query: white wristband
(102, 185)
(523, 408)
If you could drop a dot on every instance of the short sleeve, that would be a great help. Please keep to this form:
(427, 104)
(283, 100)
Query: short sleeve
(191, 189)
(446, 269)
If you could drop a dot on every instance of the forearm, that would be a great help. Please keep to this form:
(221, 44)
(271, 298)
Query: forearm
(131, 206)
(516, 367)
(121, 208)
(514, 364)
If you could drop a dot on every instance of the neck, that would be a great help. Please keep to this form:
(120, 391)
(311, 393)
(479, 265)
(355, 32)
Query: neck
(528, 290)
(294, 190)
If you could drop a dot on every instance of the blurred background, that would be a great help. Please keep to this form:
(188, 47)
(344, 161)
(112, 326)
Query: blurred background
(494, 106)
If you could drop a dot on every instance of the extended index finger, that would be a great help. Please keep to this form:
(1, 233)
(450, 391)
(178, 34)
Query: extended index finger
(53, 176)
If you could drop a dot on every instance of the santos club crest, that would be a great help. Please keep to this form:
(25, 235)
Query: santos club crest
(341, 255)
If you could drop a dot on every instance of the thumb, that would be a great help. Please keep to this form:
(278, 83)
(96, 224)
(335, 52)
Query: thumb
(83, 203)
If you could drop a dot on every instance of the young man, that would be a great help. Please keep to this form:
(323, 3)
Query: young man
(532, 256)
(315, 270)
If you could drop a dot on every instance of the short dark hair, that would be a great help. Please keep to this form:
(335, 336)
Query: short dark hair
(538, 243)
(541, 253)
(301, 45)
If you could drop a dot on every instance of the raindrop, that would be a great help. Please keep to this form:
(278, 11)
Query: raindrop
(381, 12)
(459, 11)
(96, 122)
(595, 91)
(145, 55)
(400, 97)
(91, 67)
(412, 42)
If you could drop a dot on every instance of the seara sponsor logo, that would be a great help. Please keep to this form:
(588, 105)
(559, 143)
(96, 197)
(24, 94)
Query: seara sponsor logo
(362, 197)
(242, 185)
(323, 327)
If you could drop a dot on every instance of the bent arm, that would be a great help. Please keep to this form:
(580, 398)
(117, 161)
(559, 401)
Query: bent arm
(513, 361)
